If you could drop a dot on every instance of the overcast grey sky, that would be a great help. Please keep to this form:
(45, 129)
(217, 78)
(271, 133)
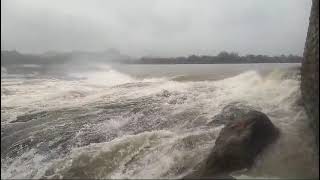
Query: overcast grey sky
(156, 27)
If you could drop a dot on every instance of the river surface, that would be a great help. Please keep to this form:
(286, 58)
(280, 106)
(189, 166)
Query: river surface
(145, 121)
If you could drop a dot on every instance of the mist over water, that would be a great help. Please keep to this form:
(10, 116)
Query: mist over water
(157, 27)
(119, 121)
(80, 98)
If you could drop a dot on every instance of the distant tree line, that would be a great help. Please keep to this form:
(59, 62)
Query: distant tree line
(14, 57)
(222, 58)
(53, 58)
(110, 56)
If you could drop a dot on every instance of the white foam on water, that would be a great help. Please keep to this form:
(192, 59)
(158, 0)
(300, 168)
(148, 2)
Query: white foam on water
(169, 153)
(28, 165)
(23, 96)
(145, 155)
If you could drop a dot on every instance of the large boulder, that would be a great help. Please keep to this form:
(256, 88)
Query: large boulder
(230, 112)
(246, 133)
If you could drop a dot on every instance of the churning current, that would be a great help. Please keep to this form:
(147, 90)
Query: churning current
(145, 121)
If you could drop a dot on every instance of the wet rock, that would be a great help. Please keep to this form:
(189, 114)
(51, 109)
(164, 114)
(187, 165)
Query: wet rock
(244, 136)
(310, 70)
(230, 113)
(240, 142)
(165, 93)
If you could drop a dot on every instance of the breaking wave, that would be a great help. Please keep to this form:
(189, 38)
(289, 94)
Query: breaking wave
(107, 124)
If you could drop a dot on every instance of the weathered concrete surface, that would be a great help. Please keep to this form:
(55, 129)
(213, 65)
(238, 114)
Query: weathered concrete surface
(310, 70)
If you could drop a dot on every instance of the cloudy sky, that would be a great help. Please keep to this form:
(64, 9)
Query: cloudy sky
(156, 27)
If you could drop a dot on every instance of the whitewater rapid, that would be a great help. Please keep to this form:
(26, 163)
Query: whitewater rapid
(108, 124)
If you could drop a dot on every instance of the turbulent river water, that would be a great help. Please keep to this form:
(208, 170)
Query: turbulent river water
(146, 121)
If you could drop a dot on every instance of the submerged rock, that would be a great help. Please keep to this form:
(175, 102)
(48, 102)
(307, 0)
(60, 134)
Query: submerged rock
(29, 117)
(166, 93)
(245, 135)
